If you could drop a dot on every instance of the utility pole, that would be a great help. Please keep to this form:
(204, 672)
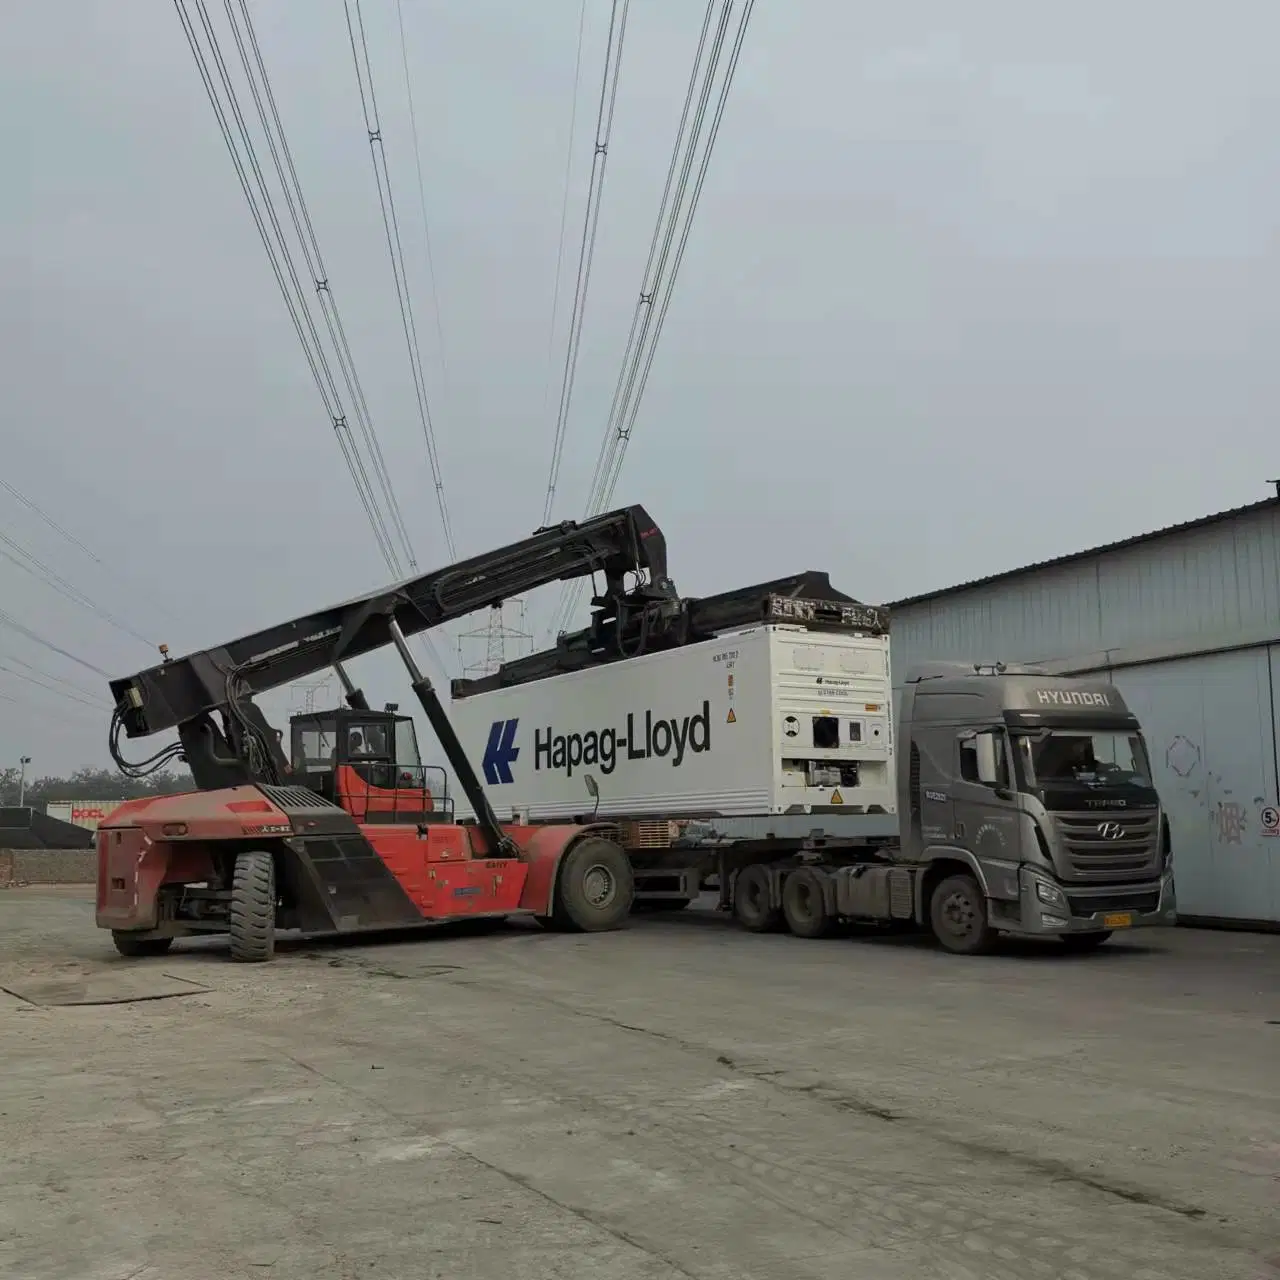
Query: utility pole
(23, 761)
(500, 640)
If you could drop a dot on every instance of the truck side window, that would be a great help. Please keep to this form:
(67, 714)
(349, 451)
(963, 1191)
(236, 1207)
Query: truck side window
(969, 763)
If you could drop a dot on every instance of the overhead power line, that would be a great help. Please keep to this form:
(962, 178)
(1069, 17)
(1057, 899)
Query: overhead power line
(20, 556)
(240, 147)
(49, 675)
(52, 725)
(391, 225)
(422, 197)
(564, 209)
(224, 99)
(8, 620)
(41, 514)
(39, 511)
(305, 230)
(586, 251)
(92, 704)
(671, 232)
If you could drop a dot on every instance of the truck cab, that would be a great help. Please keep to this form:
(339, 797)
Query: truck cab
(368, 763)
(1041, 786)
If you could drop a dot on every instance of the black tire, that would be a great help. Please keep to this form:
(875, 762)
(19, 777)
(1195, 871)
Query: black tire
(253, 907)
(958, 915)
(1078, 943)
(129, 944)
(753, 900)
(804, 907)
(594, 889)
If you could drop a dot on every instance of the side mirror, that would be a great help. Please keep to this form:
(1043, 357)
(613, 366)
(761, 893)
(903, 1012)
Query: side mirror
(985, 749)
(593, 788)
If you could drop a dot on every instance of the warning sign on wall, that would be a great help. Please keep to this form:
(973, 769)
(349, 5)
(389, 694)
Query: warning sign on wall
(1270, 820)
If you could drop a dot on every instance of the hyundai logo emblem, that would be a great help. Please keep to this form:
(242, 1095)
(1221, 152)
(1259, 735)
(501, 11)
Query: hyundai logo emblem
(1110, 830)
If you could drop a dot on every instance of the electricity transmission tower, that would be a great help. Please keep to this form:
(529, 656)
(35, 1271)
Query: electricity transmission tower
(497, 640)
(310, 690)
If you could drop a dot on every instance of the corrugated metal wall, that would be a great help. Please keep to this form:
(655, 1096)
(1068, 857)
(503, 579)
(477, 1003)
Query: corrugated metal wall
(1188, 627)
(1205, 583)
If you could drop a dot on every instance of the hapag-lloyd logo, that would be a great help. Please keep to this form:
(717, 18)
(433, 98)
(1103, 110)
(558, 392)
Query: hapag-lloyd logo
(646, 736)
(660, 738)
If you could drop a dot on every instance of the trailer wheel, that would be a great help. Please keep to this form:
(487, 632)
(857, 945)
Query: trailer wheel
(129, 944)
(595, 887)
(1081, 942)
(753, 900)
(804, 907)
(253, 907)
(958, 914)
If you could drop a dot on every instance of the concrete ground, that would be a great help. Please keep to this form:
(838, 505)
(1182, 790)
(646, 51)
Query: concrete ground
(675, 1100)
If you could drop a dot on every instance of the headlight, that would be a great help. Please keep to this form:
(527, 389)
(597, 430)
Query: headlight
(1050, 894)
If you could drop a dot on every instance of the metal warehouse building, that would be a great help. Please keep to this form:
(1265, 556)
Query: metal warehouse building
(1186, 622)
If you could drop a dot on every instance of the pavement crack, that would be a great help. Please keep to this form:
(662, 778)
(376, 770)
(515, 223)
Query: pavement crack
(584, 1215)
(521, 1180)
(1053, 1170)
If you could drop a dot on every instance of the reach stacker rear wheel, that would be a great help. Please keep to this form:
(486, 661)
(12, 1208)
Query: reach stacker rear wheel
(131, 945)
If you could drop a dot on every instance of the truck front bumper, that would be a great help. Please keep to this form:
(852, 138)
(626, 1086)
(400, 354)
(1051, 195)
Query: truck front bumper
(1049, 909)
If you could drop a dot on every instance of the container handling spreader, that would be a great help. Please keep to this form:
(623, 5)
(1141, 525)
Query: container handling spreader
(344, 830)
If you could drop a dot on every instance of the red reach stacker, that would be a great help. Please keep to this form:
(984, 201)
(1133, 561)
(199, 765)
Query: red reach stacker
(347, 830)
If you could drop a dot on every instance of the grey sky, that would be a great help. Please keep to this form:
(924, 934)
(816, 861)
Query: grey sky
(969, 286)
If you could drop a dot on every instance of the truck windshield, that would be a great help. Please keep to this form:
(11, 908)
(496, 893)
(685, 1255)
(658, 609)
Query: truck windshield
(1098, 758)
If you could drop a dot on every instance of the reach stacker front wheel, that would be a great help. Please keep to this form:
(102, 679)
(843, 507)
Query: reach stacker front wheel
(253, 907)
(594, 888)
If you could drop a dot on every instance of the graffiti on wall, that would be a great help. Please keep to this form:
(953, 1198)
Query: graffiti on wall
(1229, 822)
(1182, 756)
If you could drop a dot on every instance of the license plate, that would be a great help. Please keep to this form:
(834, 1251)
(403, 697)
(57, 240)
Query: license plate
(1118, 920)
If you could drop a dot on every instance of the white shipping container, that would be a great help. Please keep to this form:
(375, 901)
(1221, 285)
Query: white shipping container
(83, 813)
(772, 720)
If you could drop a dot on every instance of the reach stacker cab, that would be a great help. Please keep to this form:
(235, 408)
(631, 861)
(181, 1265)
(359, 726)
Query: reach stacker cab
(367, 762)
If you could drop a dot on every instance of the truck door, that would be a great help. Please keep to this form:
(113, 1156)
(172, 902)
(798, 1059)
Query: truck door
(932, 809)
(986, 821)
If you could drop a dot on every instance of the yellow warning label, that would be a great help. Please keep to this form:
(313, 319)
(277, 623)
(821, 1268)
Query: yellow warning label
(731, 718)
(837, 798)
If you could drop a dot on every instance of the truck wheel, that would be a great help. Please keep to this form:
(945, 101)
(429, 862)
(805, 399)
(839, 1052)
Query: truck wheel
(803, 906)
(253, 907)
(958, 914)
(129, 944)
(753, 900)
(594, 889)
(1078, 942)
